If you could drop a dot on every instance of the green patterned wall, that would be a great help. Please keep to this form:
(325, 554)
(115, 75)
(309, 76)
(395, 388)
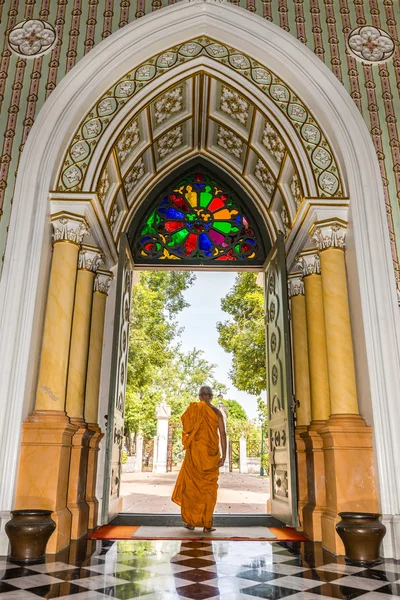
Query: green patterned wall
(322, 25)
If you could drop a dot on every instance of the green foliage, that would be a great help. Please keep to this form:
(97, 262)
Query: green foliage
(157, 367)
(243, 335)
(124, 458)
(265, 463)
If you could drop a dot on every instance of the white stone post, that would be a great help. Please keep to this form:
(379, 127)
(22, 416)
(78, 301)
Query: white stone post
(138, 465)
(155, 445)
(225, 468)
(243, 455)
(160, 458)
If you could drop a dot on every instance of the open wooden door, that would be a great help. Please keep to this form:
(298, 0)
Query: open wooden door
(119, 365)
(279, 388)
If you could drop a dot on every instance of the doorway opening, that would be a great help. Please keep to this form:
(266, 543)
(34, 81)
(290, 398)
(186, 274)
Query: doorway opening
(199, 219)
(182, 324)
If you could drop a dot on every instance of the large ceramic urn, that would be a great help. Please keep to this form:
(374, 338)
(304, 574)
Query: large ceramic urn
(29, 531)
(361, 534)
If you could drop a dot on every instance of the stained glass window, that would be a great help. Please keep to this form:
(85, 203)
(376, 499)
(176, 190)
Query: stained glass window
(197, 221)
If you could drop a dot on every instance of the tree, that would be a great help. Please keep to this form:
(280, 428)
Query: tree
(157, 298)
(157, 367)
(243, 335)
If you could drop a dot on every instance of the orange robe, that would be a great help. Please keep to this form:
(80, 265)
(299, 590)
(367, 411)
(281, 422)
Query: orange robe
(197, 483)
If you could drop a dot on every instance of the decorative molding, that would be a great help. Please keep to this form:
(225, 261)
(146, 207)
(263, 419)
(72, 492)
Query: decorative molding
(370, 44)
(230, 142)
(308, 261)
(32, 38)
(234, 105)
(265, 177)
(285, 220)
(102, 281)
(312, 210)
(272, 141)
(295, 188)
(168, 105)
(135, 174)
(69, 228)
(90, 258)
(87, 206)
(170, 141)
(103, 185)
(329, 234)
(295, 284)
(128, 140)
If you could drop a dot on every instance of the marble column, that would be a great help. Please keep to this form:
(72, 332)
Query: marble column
(308, 260)
(347, 440)
(47, 433)
(101, 286)
(160, 458)
(90, 258)
(302, 392)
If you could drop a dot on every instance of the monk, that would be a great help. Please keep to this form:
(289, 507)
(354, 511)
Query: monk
(196, 487)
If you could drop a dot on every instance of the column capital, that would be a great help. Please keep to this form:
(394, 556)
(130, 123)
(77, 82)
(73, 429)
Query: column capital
(295, 284)
(90, 258)
(102, 281)
(308, 261)
(69, 228)
(329, 234)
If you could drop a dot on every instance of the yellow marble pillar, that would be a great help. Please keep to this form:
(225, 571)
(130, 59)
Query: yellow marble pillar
(101, 287)
(347, 441)
(46, 435)
(301, 384)
(319, 392)
(90, 258)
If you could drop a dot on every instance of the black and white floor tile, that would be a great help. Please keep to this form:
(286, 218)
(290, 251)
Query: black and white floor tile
(189, 570)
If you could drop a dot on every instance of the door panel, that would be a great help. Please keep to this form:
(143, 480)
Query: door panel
(279, 388)
(119, 366)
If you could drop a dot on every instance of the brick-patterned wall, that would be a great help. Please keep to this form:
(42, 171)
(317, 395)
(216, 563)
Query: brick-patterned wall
(320, 24)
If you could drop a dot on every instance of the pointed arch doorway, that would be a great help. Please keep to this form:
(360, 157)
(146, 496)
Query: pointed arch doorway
(199, 218)
(289, 85)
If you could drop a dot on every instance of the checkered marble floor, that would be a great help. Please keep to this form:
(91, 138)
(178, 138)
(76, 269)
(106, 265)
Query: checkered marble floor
(175, 570)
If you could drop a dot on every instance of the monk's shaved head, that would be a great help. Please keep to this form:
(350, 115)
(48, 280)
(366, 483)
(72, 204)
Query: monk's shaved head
(205, 389)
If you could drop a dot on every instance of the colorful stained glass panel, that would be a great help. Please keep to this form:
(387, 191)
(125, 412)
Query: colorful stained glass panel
(197, 220)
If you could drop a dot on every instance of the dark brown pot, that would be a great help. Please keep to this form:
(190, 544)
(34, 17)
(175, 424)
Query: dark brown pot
(29, 531)
(361, 534)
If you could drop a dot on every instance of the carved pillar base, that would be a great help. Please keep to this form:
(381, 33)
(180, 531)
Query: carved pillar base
(350, 479)
(77, 479)
(316, 504)
(91, 477)
(44, 470)
(301, 461)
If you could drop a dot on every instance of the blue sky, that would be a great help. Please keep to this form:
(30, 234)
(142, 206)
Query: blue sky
(199, 321)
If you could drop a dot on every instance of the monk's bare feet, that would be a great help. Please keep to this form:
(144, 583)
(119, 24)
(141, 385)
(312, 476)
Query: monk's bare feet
(208, 529)
(188, 527)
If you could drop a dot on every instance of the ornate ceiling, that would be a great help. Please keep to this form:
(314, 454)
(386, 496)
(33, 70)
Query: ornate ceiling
(201, 115)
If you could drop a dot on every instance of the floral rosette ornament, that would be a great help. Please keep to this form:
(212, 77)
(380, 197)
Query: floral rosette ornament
(198, 221)
(370, 44)
(31, 38)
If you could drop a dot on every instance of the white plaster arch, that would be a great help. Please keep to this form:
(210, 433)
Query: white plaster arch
(372, 289)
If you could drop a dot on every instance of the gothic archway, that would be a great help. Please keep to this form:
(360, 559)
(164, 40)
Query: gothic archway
(371, 281)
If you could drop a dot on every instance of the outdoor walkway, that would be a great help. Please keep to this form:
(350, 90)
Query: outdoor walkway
(151, 493)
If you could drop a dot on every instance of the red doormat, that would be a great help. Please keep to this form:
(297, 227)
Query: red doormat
(125, 532)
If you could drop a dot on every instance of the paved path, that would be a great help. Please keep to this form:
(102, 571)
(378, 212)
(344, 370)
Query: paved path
(151, 493)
